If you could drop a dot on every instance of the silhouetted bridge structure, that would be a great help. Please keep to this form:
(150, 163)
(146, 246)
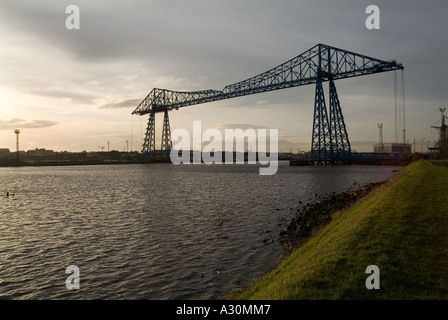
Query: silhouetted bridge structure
(321, 63)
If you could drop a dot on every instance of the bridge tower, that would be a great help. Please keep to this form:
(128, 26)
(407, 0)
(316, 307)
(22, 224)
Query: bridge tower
(167, 144)
(321, 145)
(149, 143)
(330, 141)
(340, 142)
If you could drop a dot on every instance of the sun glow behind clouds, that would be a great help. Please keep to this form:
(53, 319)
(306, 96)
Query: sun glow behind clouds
(88, 81)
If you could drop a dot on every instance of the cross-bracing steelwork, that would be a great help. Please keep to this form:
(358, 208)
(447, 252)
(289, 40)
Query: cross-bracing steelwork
(319, 64)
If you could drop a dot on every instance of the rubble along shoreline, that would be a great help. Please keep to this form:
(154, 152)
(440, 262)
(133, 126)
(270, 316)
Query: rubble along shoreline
(315, 216)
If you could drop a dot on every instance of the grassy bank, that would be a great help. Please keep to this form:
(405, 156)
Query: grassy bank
(402, 229)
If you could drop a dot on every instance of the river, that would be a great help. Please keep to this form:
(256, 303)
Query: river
(152, 231)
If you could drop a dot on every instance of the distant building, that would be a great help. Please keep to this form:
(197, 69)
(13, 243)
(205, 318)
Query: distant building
(41, 154)
(5, 153)
(400, 148)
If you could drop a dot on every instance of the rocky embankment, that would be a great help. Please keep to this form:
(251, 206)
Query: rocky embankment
(316, 215)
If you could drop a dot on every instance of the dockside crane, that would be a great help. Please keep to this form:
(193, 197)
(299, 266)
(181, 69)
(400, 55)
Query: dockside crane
(443, 139)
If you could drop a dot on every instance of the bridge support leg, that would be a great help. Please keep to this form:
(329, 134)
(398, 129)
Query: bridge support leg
(321, 149)
(340, 142)
(149, 145)
(167, 144)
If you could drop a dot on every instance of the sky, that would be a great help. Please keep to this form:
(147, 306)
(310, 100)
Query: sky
(75, 89)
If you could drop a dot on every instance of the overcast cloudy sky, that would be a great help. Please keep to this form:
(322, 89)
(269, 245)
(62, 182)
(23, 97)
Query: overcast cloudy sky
(75, 89)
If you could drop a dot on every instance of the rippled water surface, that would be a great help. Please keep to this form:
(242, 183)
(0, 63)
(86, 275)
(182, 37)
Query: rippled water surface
(151, 231)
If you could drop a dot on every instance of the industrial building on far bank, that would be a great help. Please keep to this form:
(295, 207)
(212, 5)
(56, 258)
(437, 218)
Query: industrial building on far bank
(43, 156)
(400, 148)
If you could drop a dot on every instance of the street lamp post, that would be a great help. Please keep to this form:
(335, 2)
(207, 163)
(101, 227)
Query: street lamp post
(17, 132)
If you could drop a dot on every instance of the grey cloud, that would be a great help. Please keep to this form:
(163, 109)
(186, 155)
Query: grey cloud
(56, 92)
(127, 103)
(25, 124)
(188, 34)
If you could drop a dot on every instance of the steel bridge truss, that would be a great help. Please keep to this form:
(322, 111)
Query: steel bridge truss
(319, 64)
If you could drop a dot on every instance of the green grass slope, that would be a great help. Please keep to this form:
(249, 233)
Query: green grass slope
(402, 229)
